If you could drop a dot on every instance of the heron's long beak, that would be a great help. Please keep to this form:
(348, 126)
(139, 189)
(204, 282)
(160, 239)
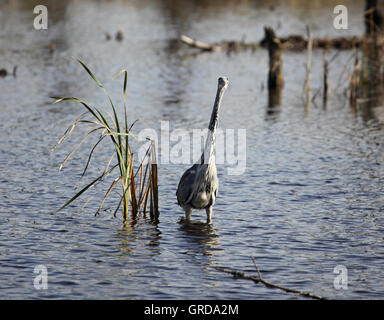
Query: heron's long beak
(222, 85)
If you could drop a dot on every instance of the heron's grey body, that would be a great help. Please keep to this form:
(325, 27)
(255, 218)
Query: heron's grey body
(199, 184)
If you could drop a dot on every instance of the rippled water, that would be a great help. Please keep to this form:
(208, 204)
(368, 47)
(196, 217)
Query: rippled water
(311, 197)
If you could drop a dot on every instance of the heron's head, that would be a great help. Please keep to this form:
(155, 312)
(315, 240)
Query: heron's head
(223, 82)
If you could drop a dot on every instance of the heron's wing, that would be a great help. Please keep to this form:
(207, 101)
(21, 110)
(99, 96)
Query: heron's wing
(185, 186)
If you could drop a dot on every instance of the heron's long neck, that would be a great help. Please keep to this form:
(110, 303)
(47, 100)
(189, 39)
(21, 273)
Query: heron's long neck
(215, 111)
(210, 142)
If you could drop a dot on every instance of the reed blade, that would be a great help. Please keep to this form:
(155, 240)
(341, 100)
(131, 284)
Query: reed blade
(89, 108)
(133, 191)
(125, 114)
(93, 183)
(90, 73)
(91, 153)
(118, 206)
(112, 186)
(69, 131)
(77, 146)
(118, 144)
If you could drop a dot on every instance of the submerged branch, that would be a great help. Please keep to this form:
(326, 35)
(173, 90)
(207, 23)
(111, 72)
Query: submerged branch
(259, 279)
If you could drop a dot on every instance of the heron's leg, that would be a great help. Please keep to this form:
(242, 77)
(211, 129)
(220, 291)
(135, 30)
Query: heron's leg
(188, 212)
(208, 210)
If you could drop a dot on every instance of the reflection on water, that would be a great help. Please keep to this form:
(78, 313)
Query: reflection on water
(202, 234)
(149, 234)
(310, 198)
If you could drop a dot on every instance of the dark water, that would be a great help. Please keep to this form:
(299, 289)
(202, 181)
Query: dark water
(311, 197)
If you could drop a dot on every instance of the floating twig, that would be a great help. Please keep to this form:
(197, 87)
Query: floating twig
(199, 45)
(227, 46)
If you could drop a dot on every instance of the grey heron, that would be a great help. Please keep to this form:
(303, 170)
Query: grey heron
(198, 185)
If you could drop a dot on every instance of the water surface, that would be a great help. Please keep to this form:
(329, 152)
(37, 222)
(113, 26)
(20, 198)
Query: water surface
(311, 197)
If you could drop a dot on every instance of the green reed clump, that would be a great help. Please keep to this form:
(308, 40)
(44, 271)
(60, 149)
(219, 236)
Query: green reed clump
(139, 186)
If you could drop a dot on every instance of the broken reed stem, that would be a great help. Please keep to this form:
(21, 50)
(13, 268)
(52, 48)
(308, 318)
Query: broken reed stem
(141, 180)
(147, 192)
(308, 78)
(151, 213)
(154, 184)
(134, 204)
(146, 184)
(325, 84)
(145, 188)
(138, 193)
(259, 279)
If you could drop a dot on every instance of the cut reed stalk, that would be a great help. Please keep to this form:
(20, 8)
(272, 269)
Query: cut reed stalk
(154, 184)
